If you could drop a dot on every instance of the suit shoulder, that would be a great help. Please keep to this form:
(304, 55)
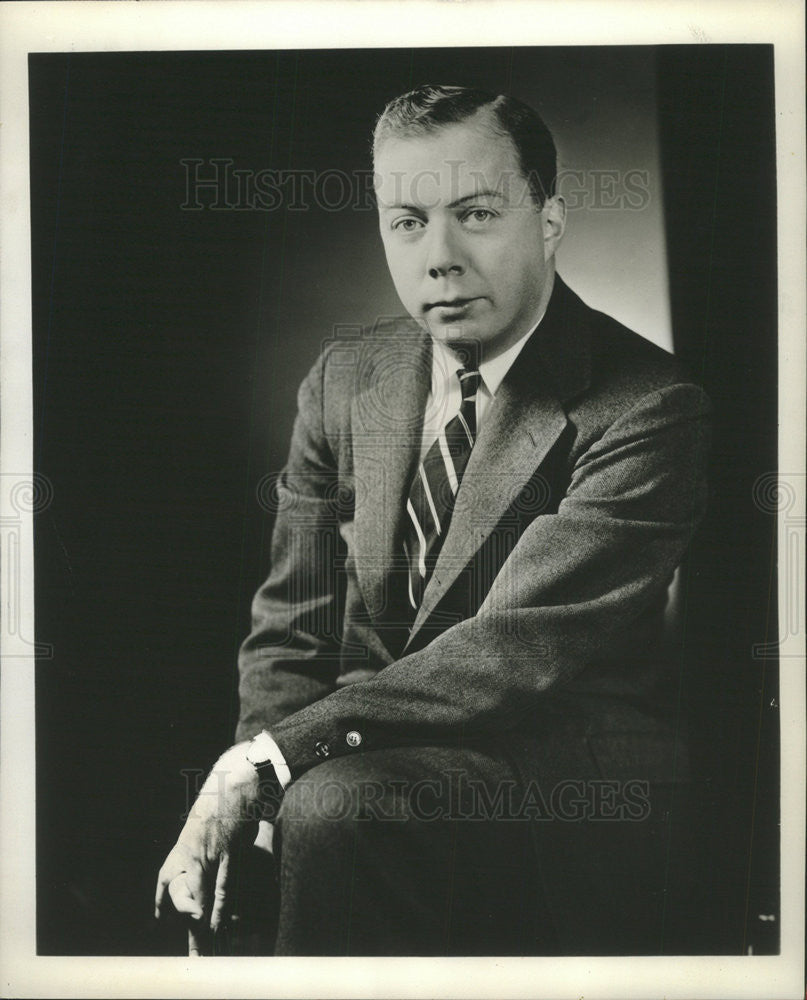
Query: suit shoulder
(619, 351)
(623, 366)
(355, 358)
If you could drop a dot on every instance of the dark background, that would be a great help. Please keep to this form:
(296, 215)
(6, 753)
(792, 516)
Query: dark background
(167, 349)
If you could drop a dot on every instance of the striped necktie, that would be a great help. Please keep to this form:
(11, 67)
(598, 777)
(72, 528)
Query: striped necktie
(431, 497)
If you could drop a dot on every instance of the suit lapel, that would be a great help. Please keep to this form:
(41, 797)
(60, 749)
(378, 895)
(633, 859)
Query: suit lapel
(524, 421)
(387, 428)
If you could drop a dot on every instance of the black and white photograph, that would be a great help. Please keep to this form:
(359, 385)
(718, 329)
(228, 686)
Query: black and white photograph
(409, 563)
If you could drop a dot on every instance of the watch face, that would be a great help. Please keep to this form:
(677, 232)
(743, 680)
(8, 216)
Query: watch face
(257, 753)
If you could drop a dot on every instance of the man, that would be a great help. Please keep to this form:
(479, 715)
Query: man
(455, 680)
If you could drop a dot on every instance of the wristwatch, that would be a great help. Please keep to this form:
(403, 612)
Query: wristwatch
(259, 754)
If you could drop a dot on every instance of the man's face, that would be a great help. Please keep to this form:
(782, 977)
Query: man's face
(471, 255)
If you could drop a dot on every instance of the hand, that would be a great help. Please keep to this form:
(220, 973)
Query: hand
(197, 869)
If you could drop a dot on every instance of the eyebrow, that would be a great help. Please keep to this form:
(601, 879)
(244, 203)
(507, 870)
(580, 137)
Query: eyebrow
(486, 193)
(454, 204)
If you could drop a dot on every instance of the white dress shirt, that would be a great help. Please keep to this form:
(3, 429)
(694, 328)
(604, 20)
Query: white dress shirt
(445, 396)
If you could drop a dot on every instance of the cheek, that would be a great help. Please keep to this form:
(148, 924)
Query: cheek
(402, 269)
(524, 263)
(508, 259)
(505, 272)
(519, 280)
(525, 246)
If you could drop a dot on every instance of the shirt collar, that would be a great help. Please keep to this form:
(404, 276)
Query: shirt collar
(445, 364)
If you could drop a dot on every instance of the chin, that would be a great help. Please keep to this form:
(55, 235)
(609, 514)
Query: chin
(459, 333)
(447, 334)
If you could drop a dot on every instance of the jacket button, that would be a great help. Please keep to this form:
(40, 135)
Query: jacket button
(322, 749)
(353, 738)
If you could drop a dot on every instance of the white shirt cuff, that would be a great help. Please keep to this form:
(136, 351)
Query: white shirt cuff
(278, 762)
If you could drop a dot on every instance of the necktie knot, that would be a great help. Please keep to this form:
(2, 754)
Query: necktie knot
(469, 383)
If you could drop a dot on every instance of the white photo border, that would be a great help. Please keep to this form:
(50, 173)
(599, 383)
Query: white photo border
(273, 24)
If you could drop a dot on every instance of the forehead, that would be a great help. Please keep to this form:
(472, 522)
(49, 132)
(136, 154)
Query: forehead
(453, 162)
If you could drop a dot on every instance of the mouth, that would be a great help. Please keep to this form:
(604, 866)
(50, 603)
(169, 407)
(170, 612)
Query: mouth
(449, 304)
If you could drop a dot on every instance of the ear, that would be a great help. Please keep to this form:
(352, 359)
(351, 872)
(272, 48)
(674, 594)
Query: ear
(553, 217)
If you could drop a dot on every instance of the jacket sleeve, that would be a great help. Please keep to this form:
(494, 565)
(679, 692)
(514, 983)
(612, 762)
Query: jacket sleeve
(291, 657)
(570, 589)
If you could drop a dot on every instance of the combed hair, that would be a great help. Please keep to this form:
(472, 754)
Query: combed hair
(428, 108)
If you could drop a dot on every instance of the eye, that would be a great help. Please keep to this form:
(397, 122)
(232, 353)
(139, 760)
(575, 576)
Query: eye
(479, 216)
(407, 224)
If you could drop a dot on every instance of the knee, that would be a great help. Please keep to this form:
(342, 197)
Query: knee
(321, 808)
(362, 803)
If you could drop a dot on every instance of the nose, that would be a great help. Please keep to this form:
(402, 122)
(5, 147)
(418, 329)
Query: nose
(445, 254)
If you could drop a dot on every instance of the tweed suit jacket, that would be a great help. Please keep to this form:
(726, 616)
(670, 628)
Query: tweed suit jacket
(541, 626)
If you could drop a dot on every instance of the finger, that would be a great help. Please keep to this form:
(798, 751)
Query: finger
(175, 864)
(220, 893)
(197, 941)
(185, 896)
(158, 898)
(170, 869)
(265, 837)
(200, 883)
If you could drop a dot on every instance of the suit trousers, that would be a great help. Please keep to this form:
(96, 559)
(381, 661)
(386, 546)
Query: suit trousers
(398, 852)
(448, 851)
